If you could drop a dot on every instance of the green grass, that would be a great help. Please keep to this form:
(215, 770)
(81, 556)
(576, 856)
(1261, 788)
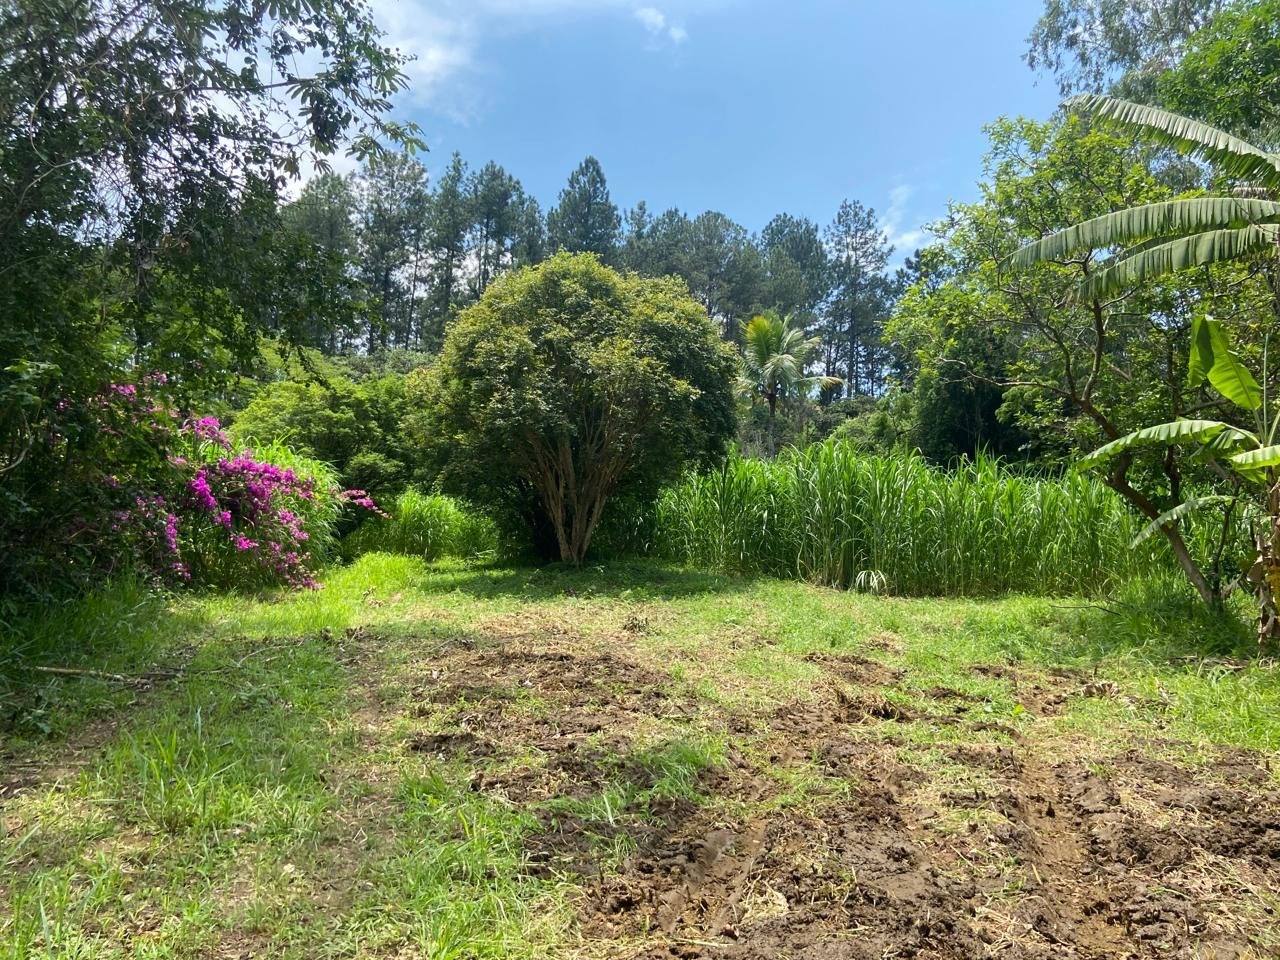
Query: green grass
(263, 800)
(894, 524)
(122, 629)
(423, 525)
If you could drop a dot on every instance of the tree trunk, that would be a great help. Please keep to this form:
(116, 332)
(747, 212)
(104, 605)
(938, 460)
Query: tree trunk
(1211, 594)
(574, 488)
(575, 524)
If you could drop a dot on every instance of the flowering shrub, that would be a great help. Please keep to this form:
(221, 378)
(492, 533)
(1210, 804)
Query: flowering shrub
(125, 481)
(210, 514)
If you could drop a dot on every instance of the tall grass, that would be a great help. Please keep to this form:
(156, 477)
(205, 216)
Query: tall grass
(425, 525)
(895, 524)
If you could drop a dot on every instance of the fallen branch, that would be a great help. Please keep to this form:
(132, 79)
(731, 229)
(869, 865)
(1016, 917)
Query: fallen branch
(113, 677)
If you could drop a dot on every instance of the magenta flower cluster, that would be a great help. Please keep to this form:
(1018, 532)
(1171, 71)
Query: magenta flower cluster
(209, 429)
(360, 498)
(246, 501)
(153, 527)
(216, 515)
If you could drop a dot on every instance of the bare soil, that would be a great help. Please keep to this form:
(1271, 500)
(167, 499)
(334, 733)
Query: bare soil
(1036, 855)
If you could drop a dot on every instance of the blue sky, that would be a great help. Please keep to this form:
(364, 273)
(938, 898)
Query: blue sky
(743, 106)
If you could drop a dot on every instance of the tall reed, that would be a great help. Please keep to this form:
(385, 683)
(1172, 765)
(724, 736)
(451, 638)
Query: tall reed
(832, 515)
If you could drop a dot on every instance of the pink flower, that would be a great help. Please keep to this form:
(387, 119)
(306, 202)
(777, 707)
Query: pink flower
(199, 485)
(209, 428)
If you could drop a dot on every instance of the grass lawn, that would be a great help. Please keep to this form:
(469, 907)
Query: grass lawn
(450, 762)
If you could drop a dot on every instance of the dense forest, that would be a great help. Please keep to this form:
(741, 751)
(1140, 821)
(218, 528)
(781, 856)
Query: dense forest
(424, 252)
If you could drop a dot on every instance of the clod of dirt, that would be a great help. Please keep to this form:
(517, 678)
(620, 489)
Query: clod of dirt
(449, 744)
(857, 670)
(857, 709)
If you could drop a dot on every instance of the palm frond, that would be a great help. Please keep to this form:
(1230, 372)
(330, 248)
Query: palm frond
(1168, 434)
(1177, 513)
(1198, 250)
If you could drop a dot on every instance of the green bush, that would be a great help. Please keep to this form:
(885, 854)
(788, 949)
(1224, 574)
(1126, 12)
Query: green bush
(425, 525)
(352, 425)
(831, 514)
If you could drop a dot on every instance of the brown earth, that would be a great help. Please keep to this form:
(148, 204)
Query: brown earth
(1027, 855)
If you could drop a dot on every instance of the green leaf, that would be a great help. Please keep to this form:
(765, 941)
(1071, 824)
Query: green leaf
(1166, 434)
(1198, 250)
(1229, 376)
(1251, 463)
(1176, 514)
(1233, 156)
(1201, 360)
(1219, 447)
(1170, 219)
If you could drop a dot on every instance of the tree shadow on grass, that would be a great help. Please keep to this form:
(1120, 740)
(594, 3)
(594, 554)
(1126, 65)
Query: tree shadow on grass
(1163, 626)
(615, 580)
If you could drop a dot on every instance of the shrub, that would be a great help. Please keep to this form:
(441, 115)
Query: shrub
(174, 499)
(353, 426)
(567, 385)
(221, 517)
(86, 455)
(427, 526)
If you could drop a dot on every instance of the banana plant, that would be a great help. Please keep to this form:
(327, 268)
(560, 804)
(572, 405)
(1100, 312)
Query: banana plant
(1160, 238)
(1248, 460)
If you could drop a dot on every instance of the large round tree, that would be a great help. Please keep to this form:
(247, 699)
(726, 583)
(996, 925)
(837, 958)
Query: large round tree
(569, 384)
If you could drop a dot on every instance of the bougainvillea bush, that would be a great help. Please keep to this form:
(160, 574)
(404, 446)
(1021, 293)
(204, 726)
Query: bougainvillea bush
(232, 517)
(177, 500)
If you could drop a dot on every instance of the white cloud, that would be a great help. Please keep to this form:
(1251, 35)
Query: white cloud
(894, 222)
(440, 38)
(653, 19)
(444, 36)
(655, 22)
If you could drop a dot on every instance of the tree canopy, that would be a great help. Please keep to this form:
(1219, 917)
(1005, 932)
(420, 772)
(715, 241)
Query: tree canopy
(568, 384)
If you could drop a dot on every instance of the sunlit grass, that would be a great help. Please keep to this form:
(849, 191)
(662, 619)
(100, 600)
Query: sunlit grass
(423, 525)
(895, 524)
(260, 797)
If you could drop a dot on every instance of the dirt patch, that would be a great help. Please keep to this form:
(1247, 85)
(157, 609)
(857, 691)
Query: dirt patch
(1026, 856)
(450, 744)
(851, 881)
(1066, 868)
(857, 670)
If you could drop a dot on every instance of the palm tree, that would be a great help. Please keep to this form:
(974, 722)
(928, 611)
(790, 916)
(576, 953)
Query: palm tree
(1161, 238)
(774, 360)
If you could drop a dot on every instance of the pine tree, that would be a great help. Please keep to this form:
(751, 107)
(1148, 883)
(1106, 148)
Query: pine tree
(325, 213)
(498, 208)
(859, 252)
(448, 220)
(586, 220)
(391, 202)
